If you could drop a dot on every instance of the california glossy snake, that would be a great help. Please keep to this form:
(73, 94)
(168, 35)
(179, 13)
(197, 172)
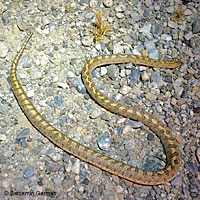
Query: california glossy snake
(86, 154)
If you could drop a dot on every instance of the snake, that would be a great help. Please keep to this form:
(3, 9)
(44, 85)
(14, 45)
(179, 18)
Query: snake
(106, 163)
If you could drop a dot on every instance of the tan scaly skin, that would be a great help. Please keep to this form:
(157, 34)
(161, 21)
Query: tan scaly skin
(86, 154)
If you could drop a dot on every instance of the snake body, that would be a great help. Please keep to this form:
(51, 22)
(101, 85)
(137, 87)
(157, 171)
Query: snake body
(95, 158)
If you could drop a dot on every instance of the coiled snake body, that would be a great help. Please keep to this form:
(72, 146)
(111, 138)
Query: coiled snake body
(95, 158)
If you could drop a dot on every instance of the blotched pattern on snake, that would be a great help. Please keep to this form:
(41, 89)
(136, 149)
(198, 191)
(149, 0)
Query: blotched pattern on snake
(93, 157)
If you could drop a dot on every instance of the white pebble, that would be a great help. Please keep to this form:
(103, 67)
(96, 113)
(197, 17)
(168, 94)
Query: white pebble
(108, 3)
(103, 71)
(3, 49)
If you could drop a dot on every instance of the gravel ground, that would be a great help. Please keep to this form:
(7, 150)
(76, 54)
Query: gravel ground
(50, 72)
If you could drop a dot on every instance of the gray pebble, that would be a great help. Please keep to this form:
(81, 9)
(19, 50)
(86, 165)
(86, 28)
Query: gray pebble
(196, 26)
(95, 114)
(127, 101)
(177, 181)
(190, 166)
(157, 79)
(87, 41)
(135, 16)
(166, 37)
(5, 17)
(170, 9)
(154, 54)
(23, 134)
(45, 20)
(119, 130)
(57, 181)
(76, 167)
(178, 91)
(58, 101)
(146, 29)
(81, 87)
(113, 71)
(125, 90)
(188, 12)
(35, 73)
(23, 143)
(86, 181)
(28, 172)
(157, 29)
(129, 145)
(172, 24)
(151, 97)
(118, 49)
(128, 39)
(198, 154)
(104, 142)
(56, 157)
(188, 36)
(3, 122)
(196, 50)
(150, 137)
(149, 45)
(27, 64)
(135, 124)
(52, 167)
(135, 75)
(21, 24)
(3, 159)
(3, 49)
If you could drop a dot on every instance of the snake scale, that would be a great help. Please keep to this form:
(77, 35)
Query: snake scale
(95, 158)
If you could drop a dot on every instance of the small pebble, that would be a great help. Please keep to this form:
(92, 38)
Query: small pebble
(190, 167)
(95, 114)
(21, 24)
(108, 3)
(177, 181)
(58, 100)
(103, 71)
(196, 26)
(81, 87)
(135, 124)
(23, 134)
(30, 171)
(166, 37)
(125, 90)
(113, 72)
(45, 20)
(178, 91)
(135, 75)
(151, 97)
(2, 137)
(145, 76)
(3, 49)
(76, 167)
(86, 181)
(150, 136)
(23, 143)
(120, 8)
(198, 154)
(104, 142)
